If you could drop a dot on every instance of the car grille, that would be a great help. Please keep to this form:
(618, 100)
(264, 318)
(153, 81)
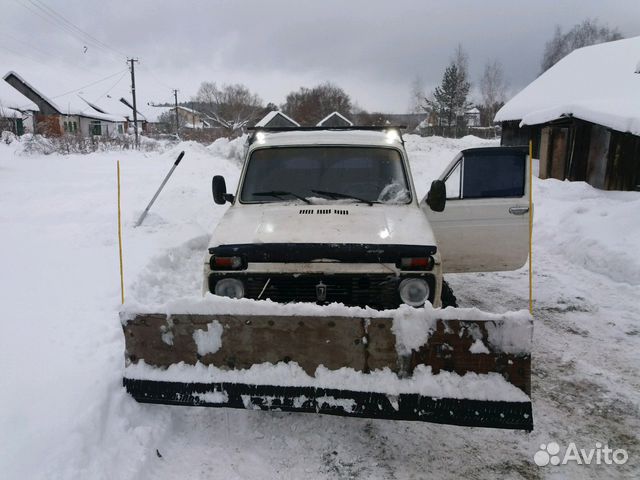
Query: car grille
(375, 291)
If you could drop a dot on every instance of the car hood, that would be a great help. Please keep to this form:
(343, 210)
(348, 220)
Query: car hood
(339, 223)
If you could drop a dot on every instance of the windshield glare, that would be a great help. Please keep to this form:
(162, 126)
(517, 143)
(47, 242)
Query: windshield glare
(325, 173)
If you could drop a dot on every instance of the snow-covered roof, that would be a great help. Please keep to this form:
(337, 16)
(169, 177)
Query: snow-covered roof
(190, 110)
(334, 114)
(70, 103)
(473, 111)
(271, 115)
(9, 76)
(113, 105)
(597, 84)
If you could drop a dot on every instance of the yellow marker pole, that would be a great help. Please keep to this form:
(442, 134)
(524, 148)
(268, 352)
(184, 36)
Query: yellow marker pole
(120, 240)
(530, 226)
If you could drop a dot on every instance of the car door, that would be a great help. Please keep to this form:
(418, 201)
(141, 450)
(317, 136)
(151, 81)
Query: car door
(485, 223)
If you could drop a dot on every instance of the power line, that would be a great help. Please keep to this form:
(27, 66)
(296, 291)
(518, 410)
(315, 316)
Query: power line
(112, 86)
(45, 55)
(52, 20)
(21, 54)
(91, 84)
(22, 42)
(51, 12)
(54, 23)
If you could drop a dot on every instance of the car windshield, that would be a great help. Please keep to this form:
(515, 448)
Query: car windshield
(358, 174)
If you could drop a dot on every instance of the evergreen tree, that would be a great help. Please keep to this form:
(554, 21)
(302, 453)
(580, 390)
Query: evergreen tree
(449, 100)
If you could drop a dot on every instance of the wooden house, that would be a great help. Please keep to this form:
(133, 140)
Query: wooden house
(583, 117)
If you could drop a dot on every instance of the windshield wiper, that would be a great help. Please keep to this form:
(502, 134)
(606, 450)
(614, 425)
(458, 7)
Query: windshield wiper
(279, 194)
(336, 195)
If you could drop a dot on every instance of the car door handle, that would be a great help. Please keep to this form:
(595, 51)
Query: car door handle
(518, 210)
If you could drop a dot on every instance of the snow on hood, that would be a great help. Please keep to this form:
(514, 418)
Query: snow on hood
(288, 223)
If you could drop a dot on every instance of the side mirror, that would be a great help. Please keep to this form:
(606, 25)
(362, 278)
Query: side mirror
(219, 189)
(437, 196)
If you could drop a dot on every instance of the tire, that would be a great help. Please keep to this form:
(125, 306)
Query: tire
(447, 297)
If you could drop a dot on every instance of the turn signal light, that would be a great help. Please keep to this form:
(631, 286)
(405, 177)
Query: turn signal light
(416, 263)
(227, 263)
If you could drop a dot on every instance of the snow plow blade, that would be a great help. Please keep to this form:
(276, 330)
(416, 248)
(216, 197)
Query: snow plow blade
(465, 373)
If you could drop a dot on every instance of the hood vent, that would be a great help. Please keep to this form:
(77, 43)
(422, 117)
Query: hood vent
(322, 211)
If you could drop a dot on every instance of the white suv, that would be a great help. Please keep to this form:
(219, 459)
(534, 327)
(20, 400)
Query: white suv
(331, 215)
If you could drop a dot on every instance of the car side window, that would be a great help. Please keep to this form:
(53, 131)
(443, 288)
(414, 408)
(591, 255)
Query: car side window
(452, 181)
(493, 175)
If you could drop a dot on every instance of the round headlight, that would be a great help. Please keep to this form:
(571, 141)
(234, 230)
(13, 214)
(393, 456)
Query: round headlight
(230, 287)
(414, 291)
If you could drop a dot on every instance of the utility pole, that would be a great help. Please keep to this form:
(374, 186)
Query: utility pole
(133, 93)
(175, 98)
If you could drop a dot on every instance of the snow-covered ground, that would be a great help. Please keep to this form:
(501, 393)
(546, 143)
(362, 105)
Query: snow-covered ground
(64, 414)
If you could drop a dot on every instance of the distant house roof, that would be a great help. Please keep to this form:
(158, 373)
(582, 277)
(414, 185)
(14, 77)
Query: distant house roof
(75, 105)
(153, 112)
(596, 84)
(473, 111)
(335, 119)
(276, 118)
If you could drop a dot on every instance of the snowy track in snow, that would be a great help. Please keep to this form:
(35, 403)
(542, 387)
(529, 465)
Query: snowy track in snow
(68, 417)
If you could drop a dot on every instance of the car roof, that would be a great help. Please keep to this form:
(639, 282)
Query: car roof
(325, 137)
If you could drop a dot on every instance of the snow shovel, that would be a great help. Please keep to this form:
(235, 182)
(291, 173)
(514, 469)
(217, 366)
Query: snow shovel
(407, 365)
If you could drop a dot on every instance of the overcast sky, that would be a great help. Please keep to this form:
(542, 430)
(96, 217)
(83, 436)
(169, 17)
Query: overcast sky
(372, 49)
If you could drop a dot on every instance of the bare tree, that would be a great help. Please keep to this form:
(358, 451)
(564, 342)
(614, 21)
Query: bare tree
(167, 122)
(310, 105)
(493, 88)
(461, 60)
(8, 120)
(589, 32)
(417, 95)
(232, 107)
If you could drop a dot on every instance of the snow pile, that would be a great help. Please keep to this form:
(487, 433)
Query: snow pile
(478, 347)
(411, 326)
(590, 227)
(7, 137)
(443, 385)
(31, 144)
(208, 341)
(595, 83)
(233, 149)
